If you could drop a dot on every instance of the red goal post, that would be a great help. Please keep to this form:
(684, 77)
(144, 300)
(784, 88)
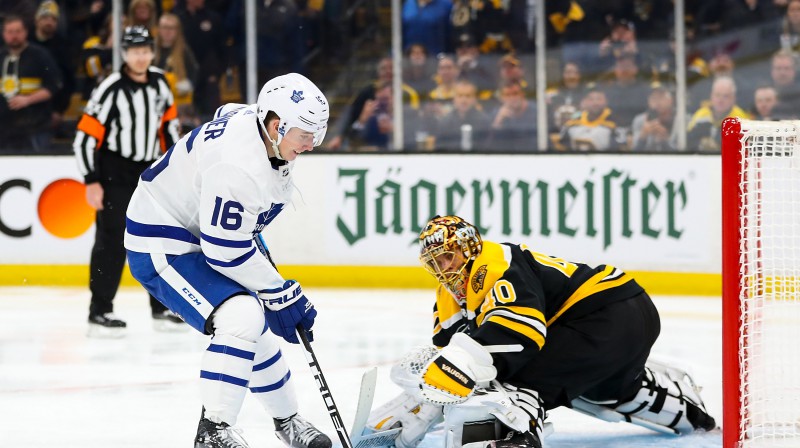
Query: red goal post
(761, 283)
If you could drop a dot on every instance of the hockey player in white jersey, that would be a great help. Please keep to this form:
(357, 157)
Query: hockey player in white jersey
(193, 241)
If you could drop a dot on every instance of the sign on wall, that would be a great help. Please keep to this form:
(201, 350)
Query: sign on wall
(656, 213)
(44, 217)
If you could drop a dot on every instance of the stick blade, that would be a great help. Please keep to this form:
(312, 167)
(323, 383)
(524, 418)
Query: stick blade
(366, 395)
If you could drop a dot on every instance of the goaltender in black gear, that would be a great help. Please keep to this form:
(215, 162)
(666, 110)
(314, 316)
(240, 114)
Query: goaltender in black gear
(533, 332)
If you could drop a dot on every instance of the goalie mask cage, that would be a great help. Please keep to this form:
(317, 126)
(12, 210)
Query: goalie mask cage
(761, 283)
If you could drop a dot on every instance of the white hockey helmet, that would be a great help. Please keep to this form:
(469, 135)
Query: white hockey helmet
(298, 102)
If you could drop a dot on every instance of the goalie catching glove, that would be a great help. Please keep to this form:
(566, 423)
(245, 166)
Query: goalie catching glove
(287, 308)
(453, 374)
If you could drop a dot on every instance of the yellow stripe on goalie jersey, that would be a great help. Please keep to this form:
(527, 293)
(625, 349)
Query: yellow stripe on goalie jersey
(448, 311)
(590, 287)
(438, 378)
(525, 330)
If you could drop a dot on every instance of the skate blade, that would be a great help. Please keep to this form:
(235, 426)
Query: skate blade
(101, 332)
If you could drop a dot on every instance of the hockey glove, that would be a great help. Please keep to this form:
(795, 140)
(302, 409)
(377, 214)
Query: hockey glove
(287, 308)
(451, 377)
(520, 409)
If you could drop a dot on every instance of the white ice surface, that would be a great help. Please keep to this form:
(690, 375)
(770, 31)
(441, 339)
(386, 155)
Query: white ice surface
(59, 388)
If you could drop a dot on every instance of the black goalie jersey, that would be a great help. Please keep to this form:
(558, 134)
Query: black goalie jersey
(515, 294)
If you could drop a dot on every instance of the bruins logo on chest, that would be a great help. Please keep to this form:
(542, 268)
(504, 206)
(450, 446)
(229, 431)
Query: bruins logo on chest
(479, 278)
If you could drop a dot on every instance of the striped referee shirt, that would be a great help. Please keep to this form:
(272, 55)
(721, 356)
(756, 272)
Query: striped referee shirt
(138, 121)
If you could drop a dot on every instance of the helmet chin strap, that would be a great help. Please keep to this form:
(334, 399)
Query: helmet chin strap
(271, 141)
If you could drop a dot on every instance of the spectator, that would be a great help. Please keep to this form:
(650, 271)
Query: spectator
(765, 104)
(564, 101)
(427, 22)
(654, 129)
(790, 27)
(594, 129)
(704, 127)
(349, 125)
(202, 28)
(417, 69)
(661, 61)
(451, 133)
(511, 71)
(721, 64)
(47, 17)
(142, 13)
(376, 122)
(626, 93)
(620, 42)
(97, 58)
(587, 26)
(180, 66)
(30, 79)
(472, 66)
(513, 126)
(439, 100)
(784, 78)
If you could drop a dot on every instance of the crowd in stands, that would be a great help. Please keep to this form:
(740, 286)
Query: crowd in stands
(54, 52)
(468, 69)
(468, 75)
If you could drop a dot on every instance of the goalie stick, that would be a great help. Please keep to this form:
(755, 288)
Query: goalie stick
(365, 397)
(333, 411)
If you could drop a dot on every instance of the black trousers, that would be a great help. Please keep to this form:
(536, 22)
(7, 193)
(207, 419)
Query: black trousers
(600, 356)
(118, 179)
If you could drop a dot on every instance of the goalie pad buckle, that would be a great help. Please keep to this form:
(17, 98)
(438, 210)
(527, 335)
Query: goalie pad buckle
(668, 401)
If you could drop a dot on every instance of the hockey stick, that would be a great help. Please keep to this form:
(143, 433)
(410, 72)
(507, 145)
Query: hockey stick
(365, 396)
(336, 418)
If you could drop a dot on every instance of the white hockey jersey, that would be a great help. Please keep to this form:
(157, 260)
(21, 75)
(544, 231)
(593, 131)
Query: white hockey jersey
(214, 191)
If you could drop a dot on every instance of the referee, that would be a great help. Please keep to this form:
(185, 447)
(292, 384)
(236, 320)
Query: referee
(129, 121)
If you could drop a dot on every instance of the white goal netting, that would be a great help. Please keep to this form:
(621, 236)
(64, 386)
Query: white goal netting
(769, 282)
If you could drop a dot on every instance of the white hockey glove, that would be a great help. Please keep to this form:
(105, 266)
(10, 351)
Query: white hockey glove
(409, 413)
(520, 409)
(287, 307)
(451, 376)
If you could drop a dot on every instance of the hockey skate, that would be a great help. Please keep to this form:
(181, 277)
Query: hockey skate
(217, 435)
(168, 322)
(297, 432)
(106, 325)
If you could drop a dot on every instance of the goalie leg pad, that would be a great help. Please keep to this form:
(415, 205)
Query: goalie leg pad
(663, 403)
(413, 416)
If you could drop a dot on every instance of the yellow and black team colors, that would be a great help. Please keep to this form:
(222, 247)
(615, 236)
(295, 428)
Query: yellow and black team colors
(585, 331)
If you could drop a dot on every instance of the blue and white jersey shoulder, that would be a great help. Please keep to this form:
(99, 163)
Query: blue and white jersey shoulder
(214, 191)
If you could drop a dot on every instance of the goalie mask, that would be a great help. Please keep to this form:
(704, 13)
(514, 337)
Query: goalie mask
(447, 245)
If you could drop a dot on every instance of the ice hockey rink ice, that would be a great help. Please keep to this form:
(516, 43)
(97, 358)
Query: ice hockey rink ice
(59, 388)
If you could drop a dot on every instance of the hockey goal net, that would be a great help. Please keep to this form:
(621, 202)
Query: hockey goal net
(761, 283)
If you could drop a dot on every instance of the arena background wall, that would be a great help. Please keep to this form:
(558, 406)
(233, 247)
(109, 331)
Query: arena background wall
(355, 217)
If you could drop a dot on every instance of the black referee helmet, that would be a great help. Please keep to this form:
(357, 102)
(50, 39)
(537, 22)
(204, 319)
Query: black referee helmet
(136, 36)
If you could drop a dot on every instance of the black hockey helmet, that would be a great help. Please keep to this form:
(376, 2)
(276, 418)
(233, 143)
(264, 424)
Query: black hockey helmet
(136, 36)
